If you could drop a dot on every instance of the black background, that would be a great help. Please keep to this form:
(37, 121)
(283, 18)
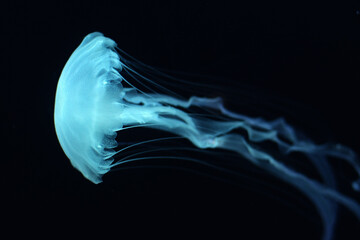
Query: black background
(303, 54)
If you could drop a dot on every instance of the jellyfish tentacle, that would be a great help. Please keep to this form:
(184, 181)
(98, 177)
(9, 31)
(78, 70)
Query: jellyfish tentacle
(206, 139)
(214, 134)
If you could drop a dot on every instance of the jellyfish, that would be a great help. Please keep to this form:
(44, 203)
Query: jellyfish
(95, 102)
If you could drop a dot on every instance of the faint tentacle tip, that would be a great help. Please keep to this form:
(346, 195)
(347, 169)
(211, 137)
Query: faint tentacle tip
(356, 185)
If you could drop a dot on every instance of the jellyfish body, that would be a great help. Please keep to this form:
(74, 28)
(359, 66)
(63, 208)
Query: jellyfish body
(92, 104)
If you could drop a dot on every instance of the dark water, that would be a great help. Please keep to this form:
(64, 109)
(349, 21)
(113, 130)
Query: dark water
(300, 60)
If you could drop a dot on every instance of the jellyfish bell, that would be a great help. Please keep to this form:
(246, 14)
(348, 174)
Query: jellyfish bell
(86, 106)
(95, 102)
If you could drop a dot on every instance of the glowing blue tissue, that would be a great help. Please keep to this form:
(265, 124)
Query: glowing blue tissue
(94, 102)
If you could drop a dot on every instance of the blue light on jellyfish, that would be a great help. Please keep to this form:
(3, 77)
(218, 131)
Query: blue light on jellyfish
(95, 102)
